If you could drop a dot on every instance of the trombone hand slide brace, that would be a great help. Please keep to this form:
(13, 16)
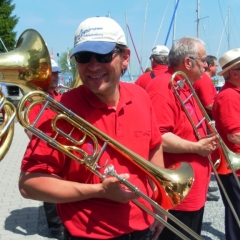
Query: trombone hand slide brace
(172, 184)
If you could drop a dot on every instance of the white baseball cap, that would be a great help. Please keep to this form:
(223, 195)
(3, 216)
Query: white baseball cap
(98, 35)
(55, 67)
(160, 50)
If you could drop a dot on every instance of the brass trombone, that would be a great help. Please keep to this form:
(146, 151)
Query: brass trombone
(229, 161)
(173, 184)
(8, 112)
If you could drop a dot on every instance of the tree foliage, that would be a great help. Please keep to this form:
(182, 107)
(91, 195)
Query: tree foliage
(63, 63)
(7, 24)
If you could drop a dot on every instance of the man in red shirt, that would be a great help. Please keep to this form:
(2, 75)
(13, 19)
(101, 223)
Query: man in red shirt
(226, 109)
(159, 63)
(54, 223)
(90, 207)
(180, 142)
(207, 92)
(204, 87)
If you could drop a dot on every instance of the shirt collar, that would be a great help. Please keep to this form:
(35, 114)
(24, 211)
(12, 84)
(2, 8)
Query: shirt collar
(230, 85)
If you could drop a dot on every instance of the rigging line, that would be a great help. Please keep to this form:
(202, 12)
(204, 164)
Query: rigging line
(231, 27)
(3, 44)
(161, 24)
(135, 48)
(207, 40)
(158, 30)
(173, 17)
(221, 37)
(222, 16)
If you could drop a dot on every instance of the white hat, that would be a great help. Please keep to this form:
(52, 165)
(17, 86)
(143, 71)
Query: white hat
(160, 50)
(55, 67)
(229, 59)
(98, 35)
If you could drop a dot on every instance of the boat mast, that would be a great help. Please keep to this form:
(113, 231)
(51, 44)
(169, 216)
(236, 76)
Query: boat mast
(198, 17)
(129, 65)
(228, 28)
(144, 28)
(174, 27)
(173, 17)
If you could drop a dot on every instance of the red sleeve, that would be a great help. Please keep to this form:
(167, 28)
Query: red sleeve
(163, 109)
(205, 90)
(40, 156)
(143, 80)
(229, 113)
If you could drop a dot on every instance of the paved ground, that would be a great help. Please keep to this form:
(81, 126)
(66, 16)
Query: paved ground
(24, 219)
(18, 216)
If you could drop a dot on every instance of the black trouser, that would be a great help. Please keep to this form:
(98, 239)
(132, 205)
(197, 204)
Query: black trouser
(191, 219)
(232, 230)
(136, 235)
(52, 217)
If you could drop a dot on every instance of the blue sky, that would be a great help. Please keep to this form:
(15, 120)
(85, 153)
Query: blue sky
(148, 21)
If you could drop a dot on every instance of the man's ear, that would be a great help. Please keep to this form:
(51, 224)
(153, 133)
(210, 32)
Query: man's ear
(188, 63)
(210, 66)
(125, 58)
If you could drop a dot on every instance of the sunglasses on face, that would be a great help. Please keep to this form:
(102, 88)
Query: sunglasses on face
(85, 57)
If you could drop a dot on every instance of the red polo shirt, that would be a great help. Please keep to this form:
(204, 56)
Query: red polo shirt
(171, 118)
(145, 78)
(205, 90)
(132, 124)
(225, 112)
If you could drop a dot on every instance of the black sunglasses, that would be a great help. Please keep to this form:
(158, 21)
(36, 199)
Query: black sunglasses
(85, 57)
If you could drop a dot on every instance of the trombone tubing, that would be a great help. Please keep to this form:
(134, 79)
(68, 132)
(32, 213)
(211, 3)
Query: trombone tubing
(59, 108)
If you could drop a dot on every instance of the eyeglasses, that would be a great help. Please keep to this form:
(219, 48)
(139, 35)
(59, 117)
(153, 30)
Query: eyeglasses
(203, 60)
(85, 57)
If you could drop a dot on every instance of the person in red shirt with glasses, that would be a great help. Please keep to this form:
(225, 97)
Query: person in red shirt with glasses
(180, 143)
(204, 87)
(206, 93)
(91, 208)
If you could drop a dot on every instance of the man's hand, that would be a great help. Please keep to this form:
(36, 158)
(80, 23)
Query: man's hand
(114, 190)
(206, 146)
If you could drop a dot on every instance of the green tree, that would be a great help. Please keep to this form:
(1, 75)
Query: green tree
(63, 63)
(7, 24)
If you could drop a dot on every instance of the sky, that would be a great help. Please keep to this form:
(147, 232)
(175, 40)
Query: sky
(148, 23)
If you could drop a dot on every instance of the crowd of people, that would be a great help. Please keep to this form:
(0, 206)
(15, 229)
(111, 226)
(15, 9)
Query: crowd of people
(148, 119)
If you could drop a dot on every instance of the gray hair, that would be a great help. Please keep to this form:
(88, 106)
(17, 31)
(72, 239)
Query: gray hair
(184, 47)
(163, 60)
